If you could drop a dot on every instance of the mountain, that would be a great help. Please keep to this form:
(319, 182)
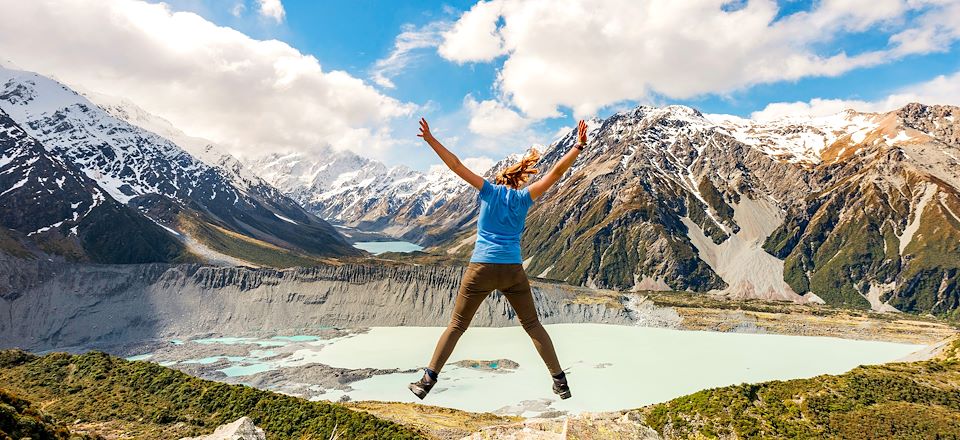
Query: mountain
(882, 227)
(51, 204)
(217, 208)
(855, 209)
(358, 192)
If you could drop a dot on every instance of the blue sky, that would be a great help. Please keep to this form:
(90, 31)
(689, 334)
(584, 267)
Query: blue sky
(353, 35)
(492, 77)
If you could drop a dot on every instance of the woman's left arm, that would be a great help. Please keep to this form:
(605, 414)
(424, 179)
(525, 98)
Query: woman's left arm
(448, 158)
(544, 183)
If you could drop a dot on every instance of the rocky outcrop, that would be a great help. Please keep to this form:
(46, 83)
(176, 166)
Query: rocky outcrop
(55, 305)
(242, 429)
(625, 425)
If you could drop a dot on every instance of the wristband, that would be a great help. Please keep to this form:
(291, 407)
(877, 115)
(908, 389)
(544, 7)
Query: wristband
(579, 146)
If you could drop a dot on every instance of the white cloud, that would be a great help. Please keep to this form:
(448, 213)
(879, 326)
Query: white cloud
(238, 9)
(934, 32)
(272, 9)
(944, 89)
(478, 165)
(404, 50)
(250, 96)
(561, 132)
(591, 54)
(492, 118)
(474, 37)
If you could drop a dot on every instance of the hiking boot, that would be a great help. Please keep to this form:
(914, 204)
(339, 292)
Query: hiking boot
(561, 388)
(421, 387)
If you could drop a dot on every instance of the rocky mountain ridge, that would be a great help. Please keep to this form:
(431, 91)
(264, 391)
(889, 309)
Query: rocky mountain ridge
(52, 207)
(218, 210)
(354, 191)
(669, 198)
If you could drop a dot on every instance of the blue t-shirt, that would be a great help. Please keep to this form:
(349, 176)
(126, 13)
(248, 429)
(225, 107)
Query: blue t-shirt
(503, 215)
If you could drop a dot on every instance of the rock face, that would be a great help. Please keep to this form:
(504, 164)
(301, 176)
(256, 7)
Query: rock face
(47, 305)
(220, 204)
(242, 429)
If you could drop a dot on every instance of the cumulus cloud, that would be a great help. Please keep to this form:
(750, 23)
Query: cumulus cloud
(238, 9)
(248, 95)
(272, 9)
(590, 54)
(475, 36)
(404, 50)
(492, 118)
(478, 165)
(944, 89)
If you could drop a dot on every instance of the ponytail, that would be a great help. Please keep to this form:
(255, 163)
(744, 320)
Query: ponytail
(517, 174)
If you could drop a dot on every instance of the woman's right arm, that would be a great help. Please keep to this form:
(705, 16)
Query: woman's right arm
(544, 183)
(449, 158)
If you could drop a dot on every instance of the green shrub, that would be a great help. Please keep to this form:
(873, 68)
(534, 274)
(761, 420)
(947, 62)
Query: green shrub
(150, 401)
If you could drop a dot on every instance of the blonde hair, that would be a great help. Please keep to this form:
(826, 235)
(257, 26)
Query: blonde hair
(517, 174)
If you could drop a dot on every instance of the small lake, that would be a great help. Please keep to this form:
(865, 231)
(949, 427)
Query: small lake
(610, 367)
(379, 247)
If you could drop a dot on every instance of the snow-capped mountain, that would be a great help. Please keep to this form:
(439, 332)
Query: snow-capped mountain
(797, 138)
(50, 206)
(199, 148)
(355, 191)
(219, 208)
(855, 209)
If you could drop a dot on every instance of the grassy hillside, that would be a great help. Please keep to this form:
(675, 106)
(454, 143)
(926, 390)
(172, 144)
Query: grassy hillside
(246, 248)
(21, 419)
(101, 393)
(918, 400)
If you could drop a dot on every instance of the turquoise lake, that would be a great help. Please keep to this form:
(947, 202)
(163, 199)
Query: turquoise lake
(610, 367)
(379, 247)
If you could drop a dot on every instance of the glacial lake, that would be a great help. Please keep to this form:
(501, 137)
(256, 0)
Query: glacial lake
(609, 367)
(379, 247)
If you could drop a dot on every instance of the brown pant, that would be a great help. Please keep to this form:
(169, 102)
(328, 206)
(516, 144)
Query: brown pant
(478, 281)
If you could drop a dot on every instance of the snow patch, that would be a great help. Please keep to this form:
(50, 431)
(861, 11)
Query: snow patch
(907, 235)
(545, 272)
(284, 218)
(16, 185)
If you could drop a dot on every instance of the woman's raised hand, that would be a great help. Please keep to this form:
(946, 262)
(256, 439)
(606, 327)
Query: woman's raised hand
(582, 133)
(425, 130)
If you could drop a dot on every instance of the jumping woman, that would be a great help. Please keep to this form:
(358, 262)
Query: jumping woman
(496, 261)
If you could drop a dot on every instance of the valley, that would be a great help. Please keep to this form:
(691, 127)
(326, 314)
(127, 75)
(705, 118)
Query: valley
(796, 254)
(301, 332)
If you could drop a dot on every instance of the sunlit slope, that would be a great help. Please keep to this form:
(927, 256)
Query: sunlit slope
(147, 401)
